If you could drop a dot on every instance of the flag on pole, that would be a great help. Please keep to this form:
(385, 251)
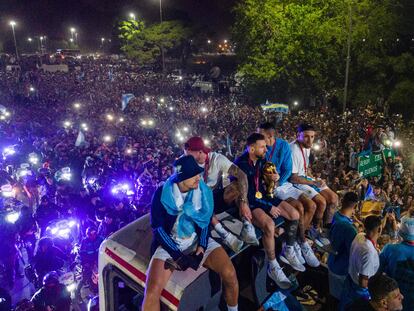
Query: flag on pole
(125, 100)
(80, 140)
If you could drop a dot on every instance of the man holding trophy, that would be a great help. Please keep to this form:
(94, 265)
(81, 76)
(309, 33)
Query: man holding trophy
(265, 208)
(279, 154)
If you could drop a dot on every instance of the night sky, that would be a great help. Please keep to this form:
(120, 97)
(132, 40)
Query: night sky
(95, 18)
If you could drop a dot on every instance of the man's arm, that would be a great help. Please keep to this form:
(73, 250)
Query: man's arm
(242, 182)
(296, 179)
(286, 167)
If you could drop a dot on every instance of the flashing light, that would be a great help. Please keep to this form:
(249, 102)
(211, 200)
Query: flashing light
(71, 287)
(295, 103)
(121, 119)
(67, 123)
(31, 89)
(181, 138)
(2, 117)
(316, 147)
(107, 138)
(150, 122)
(110, 117)
(147, 99)
(206, 141)
(180, 78)
(204, 109)
(397, 144)
(91, 180)
(185, 129)
(33, 159)
(162, 100)
(129, 151)
(8, 151)
(171, 108)
(388, 142)
(72, 223)
(144, 122)
(12, 217)
(7, 114)
(76, 105)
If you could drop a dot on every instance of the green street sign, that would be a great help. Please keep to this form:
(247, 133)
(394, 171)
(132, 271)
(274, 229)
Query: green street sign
(370, 165)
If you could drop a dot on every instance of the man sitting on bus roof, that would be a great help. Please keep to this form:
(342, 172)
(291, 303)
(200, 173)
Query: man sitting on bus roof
(180, 216)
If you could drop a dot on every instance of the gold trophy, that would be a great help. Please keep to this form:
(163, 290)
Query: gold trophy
(269, 169)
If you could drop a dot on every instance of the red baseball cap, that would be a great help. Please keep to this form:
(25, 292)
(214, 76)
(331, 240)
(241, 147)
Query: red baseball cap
(196, 143)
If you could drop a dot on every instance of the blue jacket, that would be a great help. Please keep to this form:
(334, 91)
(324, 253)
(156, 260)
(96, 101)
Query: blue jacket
(162, 224)
(282, 158)
(341, 235)
(247, 166)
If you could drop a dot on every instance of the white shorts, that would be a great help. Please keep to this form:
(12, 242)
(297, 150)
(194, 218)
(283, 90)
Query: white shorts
(286, 191)
(310, 191)
(163, 255)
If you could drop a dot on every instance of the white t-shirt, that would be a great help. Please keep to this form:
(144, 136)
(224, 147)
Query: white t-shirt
(363, 258)
(218, 169)
(298, 165)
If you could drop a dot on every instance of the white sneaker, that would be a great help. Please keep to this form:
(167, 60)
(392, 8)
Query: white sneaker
(288, 256)
(277, 275)
(232, 242)
(298, 253)
(248, 234)
(309, 255)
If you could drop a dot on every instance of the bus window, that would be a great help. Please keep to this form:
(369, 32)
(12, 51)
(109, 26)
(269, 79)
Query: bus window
(126, 298)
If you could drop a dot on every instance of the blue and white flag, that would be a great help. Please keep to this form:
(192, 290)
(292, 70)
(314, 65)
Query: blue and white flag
(80, 140)
(125, 100)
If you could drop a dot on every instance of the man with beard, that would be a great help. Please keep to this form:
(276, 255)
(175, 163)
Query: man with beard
(216, 169)
(265, 210)
(317, 190)
(278, 152)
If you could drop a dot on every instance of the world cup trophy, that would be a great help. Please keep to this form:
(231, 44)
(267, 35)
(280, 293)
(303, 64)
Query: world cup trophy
(269, 169)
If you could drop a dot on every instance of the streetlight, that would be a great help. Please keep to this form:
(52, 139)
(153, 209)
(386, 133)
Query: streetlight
(162, 48)
(132, 15)
(12, 24)
(72, 31)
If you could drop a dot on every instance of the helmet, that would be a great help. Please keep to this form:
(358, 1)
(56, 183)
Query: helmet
(51, 278)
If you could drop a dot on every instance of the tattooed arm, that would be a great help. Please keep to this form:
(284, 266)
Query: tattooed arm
(243, 188)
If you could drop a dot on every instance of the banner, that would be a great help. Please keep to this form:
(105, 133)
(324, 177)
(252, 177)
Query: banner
(370, 164)
(125, 100)
(372, 208)
(276, 107)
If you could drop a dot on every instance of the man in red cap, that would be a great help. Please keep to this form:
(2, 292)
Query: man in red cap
(217, 169)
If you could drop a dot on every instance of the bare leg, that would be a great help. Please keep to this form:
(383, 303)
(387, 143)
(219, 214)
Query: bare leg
(309, 208)
(267, 225)
(320, 209)
(331, 204)
(220, 262)
(157, 278)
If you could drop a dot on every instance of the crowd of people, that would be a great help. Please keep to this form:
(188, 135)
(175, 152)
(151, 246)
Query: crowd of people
(71, 152)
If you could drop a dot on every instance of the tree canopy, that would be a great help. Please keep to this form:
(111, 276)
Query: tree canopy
(297, 48)
(145, 43)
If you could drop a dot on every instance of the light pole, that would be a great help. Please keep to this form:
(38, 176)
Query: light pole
(348, 58)
(72, 32)
(12, 24)
(162, 48)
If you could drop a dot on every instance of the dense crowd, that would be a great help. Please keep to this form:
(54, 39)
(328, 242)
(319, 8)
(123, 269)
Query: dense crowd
(71, 153)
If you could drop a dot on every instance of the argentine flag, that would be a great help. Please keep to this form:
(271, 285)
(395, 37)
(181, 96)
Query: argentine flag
(125, 100)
